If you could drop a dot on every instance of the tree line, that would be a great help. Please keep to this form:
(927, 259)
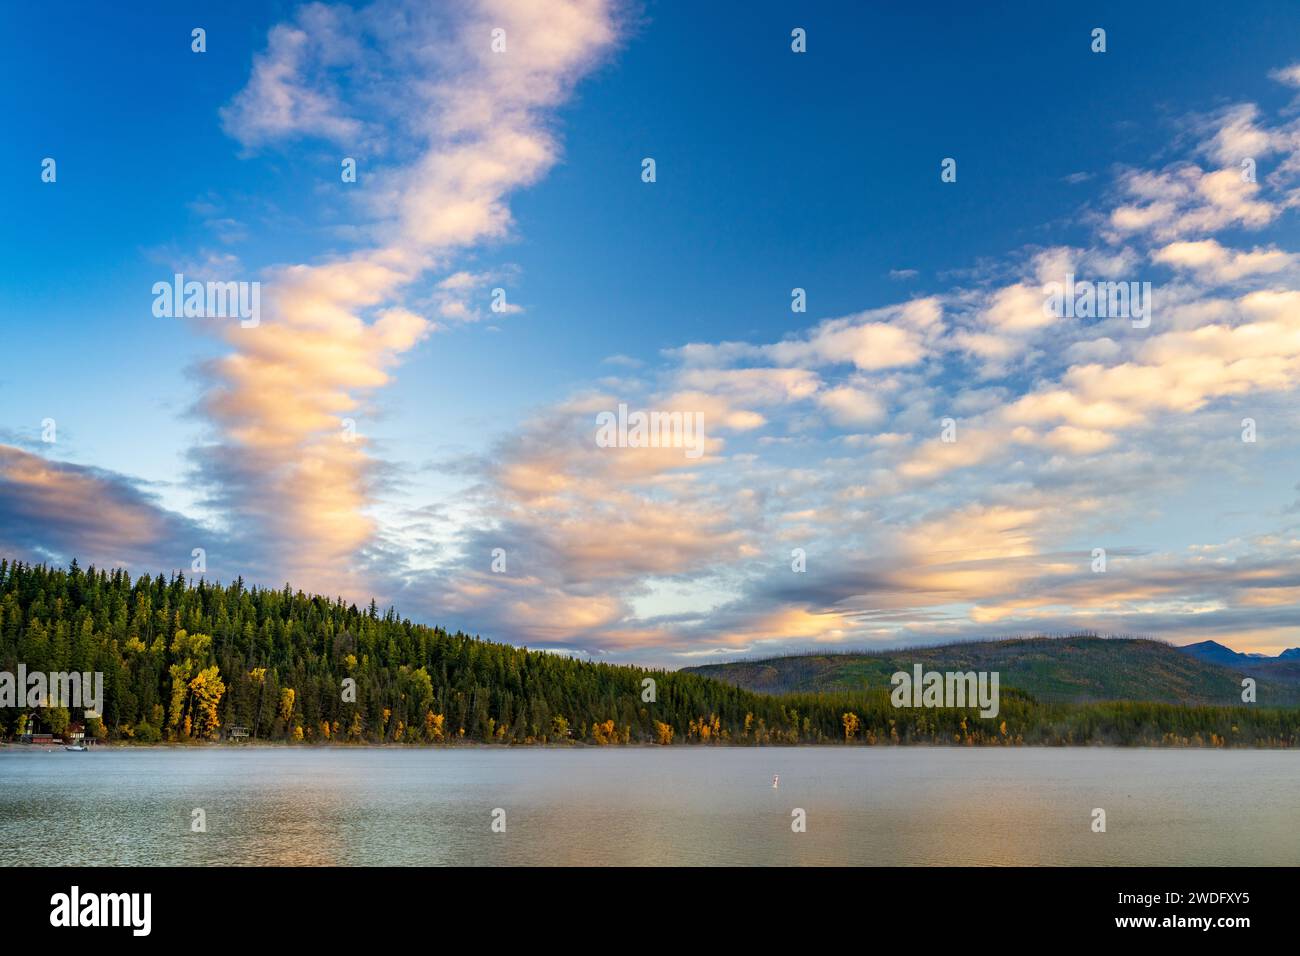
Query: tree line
(190, 660)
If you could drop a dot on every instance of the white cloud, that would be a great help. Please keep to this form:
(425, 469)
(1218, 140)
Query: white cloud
(1218, 264)
(476, 127)
(1290, 75)
(852, 407)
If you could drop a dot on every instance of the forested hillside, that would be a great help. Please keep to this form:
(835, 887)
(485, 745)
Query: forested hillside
(187, 661)
(1076, 669)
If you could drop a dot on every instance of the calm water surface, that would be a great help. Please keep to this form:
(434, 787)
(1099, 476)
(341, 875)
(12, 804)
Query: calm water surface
(649, 806)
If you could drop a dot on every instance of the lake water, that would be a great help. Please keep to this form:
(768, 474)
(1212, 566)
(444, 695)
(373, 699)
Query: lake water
(649, 806)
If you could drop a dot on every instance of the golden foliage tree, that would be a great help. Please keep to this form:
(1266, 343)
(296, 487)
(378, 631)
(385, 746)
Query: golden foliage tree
(851, 725)
(207, 689)
(180, 674)
(287, 698)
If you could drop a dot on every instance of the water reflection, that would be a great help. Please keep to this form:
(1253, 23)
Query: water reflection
(647, 806)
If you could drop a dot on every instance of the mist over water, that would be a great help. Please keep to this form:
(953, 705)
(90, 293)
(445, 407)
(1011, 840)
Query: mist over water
(648, 806)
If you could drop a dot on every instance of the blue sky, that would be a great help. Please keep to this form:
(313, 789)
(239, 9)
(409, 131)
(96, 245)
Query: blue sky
(775, 170)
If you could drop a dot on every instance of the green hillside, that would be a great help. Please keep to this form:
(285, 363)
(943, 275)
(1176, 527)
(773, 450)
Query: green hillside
(1073, 669)
(186, 662)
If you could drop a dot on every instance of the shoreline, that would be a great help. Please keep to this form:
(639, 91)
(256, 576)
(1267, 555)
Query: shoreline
(481, 746)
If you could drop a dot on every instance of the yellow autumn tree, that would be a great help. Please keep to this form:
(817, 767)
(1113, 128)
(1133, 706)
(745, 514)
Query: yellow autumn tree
(434, 725)
(663, 733)
(287, 697)
(180, 674)
(704, 729)
(207, 689)
(851, 724)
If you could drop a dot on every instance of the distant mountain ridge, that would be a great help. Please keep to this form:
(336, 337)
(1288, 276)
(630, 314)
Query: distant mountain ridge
(1222, 654)
(1076, 669)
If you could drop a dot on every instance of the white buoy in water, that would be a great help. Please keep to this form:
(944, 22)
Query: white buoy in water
(776, 780)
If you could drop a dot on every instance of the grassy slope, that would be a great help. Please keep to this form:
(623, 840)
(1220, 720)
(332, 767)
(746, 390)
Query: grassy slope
(1054, 669)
